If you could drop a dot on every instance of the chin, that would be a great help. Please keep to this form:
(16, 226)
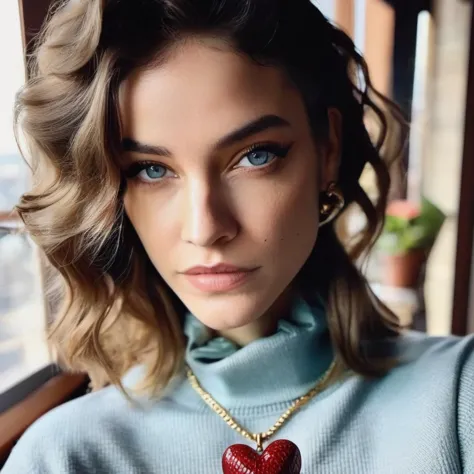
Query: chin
(225, 312)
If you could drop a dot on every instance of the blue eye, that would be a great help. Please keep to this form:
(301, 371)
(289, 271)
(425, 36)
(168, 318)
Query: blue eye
(262, 155)
(148, 172)
(257, 158)
(153, 172)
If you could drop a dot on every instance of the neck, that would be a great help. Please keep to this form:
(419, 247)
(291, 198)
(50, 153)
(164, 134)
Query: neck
(264, 326)
(275, 369)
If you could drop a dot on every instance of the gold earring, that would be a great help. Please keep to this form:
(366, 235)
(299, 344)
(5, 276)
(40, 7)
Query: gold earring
(332, 202)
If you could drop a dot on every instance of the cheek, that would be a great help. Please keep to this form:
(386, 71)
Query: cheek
(154, 222)
(283, 213)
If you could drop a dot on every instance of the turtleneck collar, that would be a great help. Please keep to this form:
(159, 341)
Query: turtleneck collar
(273, 369)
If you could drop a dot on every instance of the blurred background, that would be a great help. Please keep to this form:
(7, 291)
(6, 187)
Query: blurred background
(418, 52)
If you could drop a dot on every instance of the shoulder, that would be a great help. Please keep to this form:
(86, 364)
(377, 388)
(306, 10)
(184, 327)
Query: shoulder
(455, 356)
(444, 366)
(440, 360)
(56, 442)
(450, 351)
(437, 369)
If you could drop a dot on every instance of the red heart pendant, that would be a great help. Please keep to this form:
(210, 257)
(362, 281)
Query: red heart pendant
(280, 457)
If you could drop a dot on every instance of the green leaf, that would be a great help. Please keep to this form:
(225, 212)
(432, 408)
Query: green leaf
(401, 235)
(396, 224)
(431, 219)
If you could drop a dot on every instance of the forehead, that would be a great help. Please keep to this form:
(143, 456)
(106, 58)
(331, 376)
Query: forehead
(203, 90)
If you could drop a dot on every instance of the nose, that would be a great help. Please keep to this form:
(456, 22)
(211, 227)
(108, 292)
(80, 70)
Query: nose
(207, 216)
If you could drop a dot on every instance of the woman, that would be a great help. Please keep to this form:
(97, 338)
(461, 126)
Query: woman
(189, 161)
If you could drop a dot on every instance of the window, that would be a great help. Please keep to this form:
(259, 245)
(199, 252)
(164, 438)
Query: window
(23, 348)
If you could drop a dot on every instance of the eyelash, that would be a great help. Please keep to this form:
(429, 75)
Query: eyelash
(276, 149)
(279, 150)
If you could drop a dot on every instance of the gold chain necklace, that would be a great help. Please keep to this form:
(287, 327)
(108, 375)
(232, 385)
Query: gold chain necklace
(259, 438)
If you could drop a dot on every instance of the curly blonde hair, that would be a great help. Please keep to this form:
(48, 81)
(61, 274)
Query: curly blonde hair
(116, 311)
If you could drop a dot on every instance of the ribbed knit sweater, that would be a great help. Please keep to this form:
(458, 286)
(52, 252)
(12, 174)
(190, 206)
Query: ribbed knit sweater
(417, 419)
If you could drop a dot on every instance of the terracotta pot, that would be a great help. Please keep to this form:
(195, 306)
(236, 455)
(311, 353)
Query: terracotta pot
(403, 270)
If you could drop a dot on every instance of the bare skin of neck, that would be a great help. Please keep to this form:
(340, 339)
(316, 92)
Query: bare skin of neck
(264, 326)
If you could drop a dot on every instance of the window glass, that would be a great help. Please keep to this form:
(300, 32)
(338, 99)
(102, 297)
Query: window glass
(23, 348)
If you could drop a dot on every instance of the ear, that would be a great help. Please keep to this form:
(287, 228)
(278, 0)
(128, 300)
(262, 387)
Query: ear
(331, 157)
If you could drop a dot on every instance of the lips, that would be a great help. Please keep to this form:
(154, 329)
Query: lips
(218, 278)
(217, 269)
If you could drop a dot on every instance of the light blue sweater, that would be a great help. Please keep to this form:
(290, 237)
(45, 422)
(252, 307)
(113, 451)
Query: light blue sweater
(418, 419)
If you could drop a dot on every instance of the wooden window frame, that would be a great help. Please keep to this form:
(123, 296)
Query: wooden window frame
(15, 421)
(462, 321)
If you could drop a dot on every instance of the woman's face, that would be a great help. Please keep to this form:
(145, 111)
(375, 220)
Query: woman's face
(223, 179)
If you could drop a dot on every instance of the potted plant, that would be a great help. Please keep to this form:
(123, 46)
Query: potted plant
(408, 235)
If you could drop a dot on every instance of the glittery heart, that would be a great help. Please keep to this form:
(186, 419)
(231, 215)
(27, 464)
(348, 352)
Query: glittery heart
(280, 457)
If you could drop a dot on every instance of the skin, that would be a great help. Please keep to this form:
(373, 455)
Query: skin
(213, 204)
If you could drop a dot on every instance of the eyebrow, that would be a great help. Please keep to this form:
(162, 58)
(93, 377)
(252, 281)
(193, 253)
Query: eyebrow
(128, 144)
(248, 130)
(252, 128)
